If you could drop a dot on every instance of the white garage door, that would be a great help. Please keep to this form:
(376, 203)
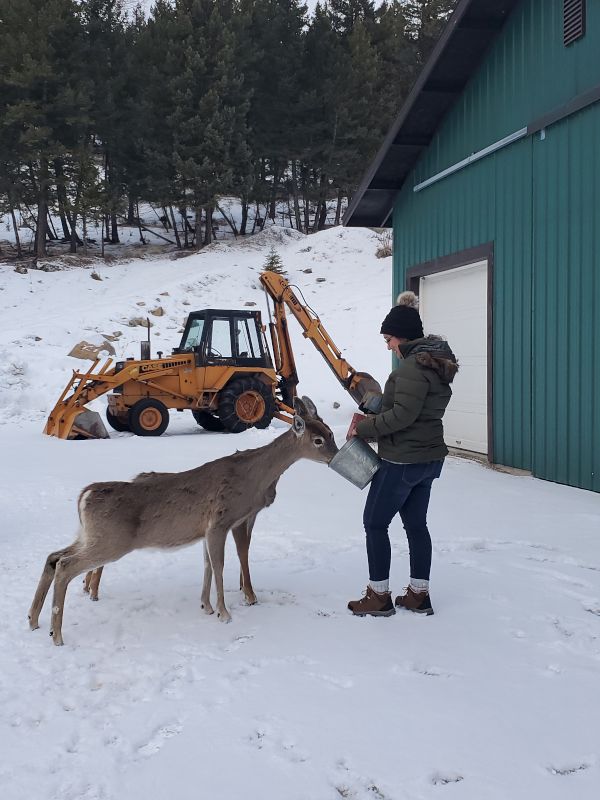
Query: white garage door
(453, 304)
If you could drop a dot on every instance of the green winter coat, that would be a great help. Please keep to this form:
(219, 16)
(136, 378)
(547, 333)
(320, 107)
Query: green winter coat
(409, 427)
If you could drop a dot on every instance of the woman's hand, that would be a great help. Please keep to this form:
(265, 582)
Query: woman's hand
(352, 429)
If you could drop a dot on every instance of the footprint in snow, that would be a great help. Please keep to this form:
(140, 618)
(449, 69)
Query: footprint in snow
(569, 769)
(81, 791)
(159, 739)
(280, 598)
(334, 680)
(592, 608)
(264, 737)
(561, 627)
(240, 672)
(409, 668)
(238, 642)
(170, 683)
(348, 783)
(444, 778)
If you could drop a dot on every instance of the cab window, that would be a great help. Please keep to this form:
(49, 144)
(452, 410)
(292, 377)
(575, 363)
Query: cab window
(220, 340)
(194, 335)
(246, 338)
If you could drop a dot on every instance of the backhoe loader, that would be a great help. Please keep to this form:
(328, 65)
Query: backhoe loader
(222, 372)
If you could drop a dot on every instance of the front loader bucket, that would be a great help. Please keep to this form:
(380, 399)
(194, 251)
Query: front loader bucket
(70, 418)
(88, 425)
(75, 423)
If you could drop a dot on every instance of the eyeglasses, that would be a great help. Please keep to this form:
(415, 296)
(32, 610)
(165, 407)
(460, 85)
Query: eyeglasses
(387, 339)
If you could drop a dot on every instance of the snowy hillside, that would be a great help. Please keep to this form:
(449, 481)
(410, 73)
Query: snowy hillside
(493, 698)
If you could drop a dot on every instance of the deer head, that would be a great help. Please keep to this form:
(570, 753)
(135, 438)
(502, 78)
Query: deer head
(313, 435)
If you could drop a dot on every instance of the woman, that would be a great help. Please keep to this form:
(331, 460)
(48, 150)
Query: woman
(410, 439)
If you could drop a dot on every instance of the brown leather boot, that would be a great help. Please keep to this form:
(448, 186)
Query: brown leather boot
(419, 602)
(373, 604)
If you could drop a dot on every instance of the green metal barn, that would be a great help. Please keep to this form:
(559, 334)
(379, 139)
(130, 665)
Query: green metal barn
(490, 177)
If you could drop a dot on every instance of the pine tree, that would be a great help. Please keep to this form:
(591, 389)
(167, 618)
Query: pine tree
(112, 118)
(398, 57)
(323, 77)
(159, 58)
(345, 14)
(45, 98)
(276, 35)
(426, 18)
(273, 262)
(209, 116)
(343, 79)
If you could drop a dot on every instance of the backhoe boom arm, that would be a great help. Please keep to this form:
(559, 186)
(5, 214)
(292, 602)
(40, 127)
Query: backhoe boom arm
(281, 294)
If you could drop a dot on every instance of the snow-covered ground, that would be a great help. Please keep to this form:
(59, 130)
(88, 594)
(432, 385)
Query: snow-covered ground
(494, 697)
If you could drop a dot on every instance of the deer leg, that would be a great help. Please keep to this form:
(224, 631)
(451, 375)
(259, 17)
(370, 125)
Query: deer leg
(205, 596)
(91, 582)
(44, 584)
(68, 566)
(242, 535)
(215, 542)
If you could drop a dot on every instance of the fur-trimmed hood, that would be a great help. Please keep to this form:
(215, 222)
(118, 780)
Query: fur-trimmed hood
(432, 352)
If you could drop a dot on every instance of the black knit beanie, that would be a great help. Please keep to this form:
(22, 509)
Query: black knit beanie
(404, 321)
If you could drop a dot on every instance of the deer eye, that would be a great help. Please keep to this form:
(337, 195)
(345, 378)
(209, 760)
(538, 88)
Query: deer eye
(319, 441)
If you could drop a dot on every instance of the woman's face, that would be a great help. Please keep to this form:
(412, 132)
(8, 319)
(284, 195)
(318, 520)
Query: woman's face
(393, 344)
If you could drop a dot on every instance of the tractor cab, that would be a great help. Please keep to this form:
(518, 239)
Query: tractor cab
(218, 336)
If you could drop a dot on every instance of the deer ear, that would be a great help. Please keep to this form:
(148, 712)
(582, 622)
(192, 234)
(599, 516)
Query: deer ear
(298, 426)
(310, 406)
(299, 407)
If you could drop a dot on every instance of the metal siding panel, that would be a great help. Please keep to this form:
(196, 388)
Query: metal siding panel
(493, 195)
(575, 385)
(512, 326)
(590, 222)
(567, 303)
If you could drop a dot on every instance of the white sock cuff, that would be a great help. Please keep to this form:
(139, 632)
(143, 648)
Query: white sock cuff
(380, 586)
(419, 585)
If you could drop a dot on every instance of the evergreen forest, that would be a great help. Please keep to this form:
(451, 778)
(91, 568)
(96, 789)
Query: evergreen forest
(102, 109)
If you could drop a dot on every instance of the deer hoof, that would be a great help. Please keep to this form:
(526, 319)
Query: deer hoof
(224, 616)
(33, 626)
(208, 609)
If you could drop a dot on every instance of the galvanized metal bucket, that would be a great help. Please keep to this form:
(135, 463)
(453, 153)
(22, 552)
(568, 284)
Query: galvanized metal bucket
(356, 461)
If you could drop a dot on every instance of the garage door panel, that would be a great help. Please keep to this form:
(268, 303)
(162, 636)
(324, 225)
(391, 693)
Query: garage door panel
(453, 304)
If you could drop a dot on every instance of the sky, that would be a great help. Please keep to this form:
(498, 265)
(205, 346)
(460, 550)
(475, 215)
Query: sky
(493, 697)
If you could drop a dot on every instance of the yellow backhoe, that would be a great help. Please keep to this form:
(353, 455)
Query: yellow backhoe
(222, 372)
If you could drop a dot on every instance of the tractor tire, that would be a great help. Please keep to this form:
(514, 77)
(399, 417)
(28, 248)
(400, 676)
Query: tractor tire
(117, 423)
(148, 417)
(208, 421)
(246, 403)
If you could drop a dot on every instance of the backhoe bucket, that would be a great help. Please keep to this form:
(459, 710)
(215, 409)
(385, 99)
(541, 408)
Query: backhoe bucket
(363, 384)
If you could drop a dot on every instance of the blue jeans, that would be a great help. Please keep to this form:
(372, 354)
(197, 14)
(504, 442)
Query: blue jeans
(400, 489)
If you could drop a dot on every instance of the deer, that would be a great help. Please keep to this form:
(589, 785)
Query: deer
(242, 535)
(168, 510)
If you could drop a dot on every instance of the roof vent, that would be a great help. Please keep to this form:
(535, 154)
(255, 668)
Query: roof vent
(573, 20)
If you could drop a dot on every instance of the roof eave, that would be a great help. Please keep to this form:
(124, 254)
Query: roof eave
(457, 15)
